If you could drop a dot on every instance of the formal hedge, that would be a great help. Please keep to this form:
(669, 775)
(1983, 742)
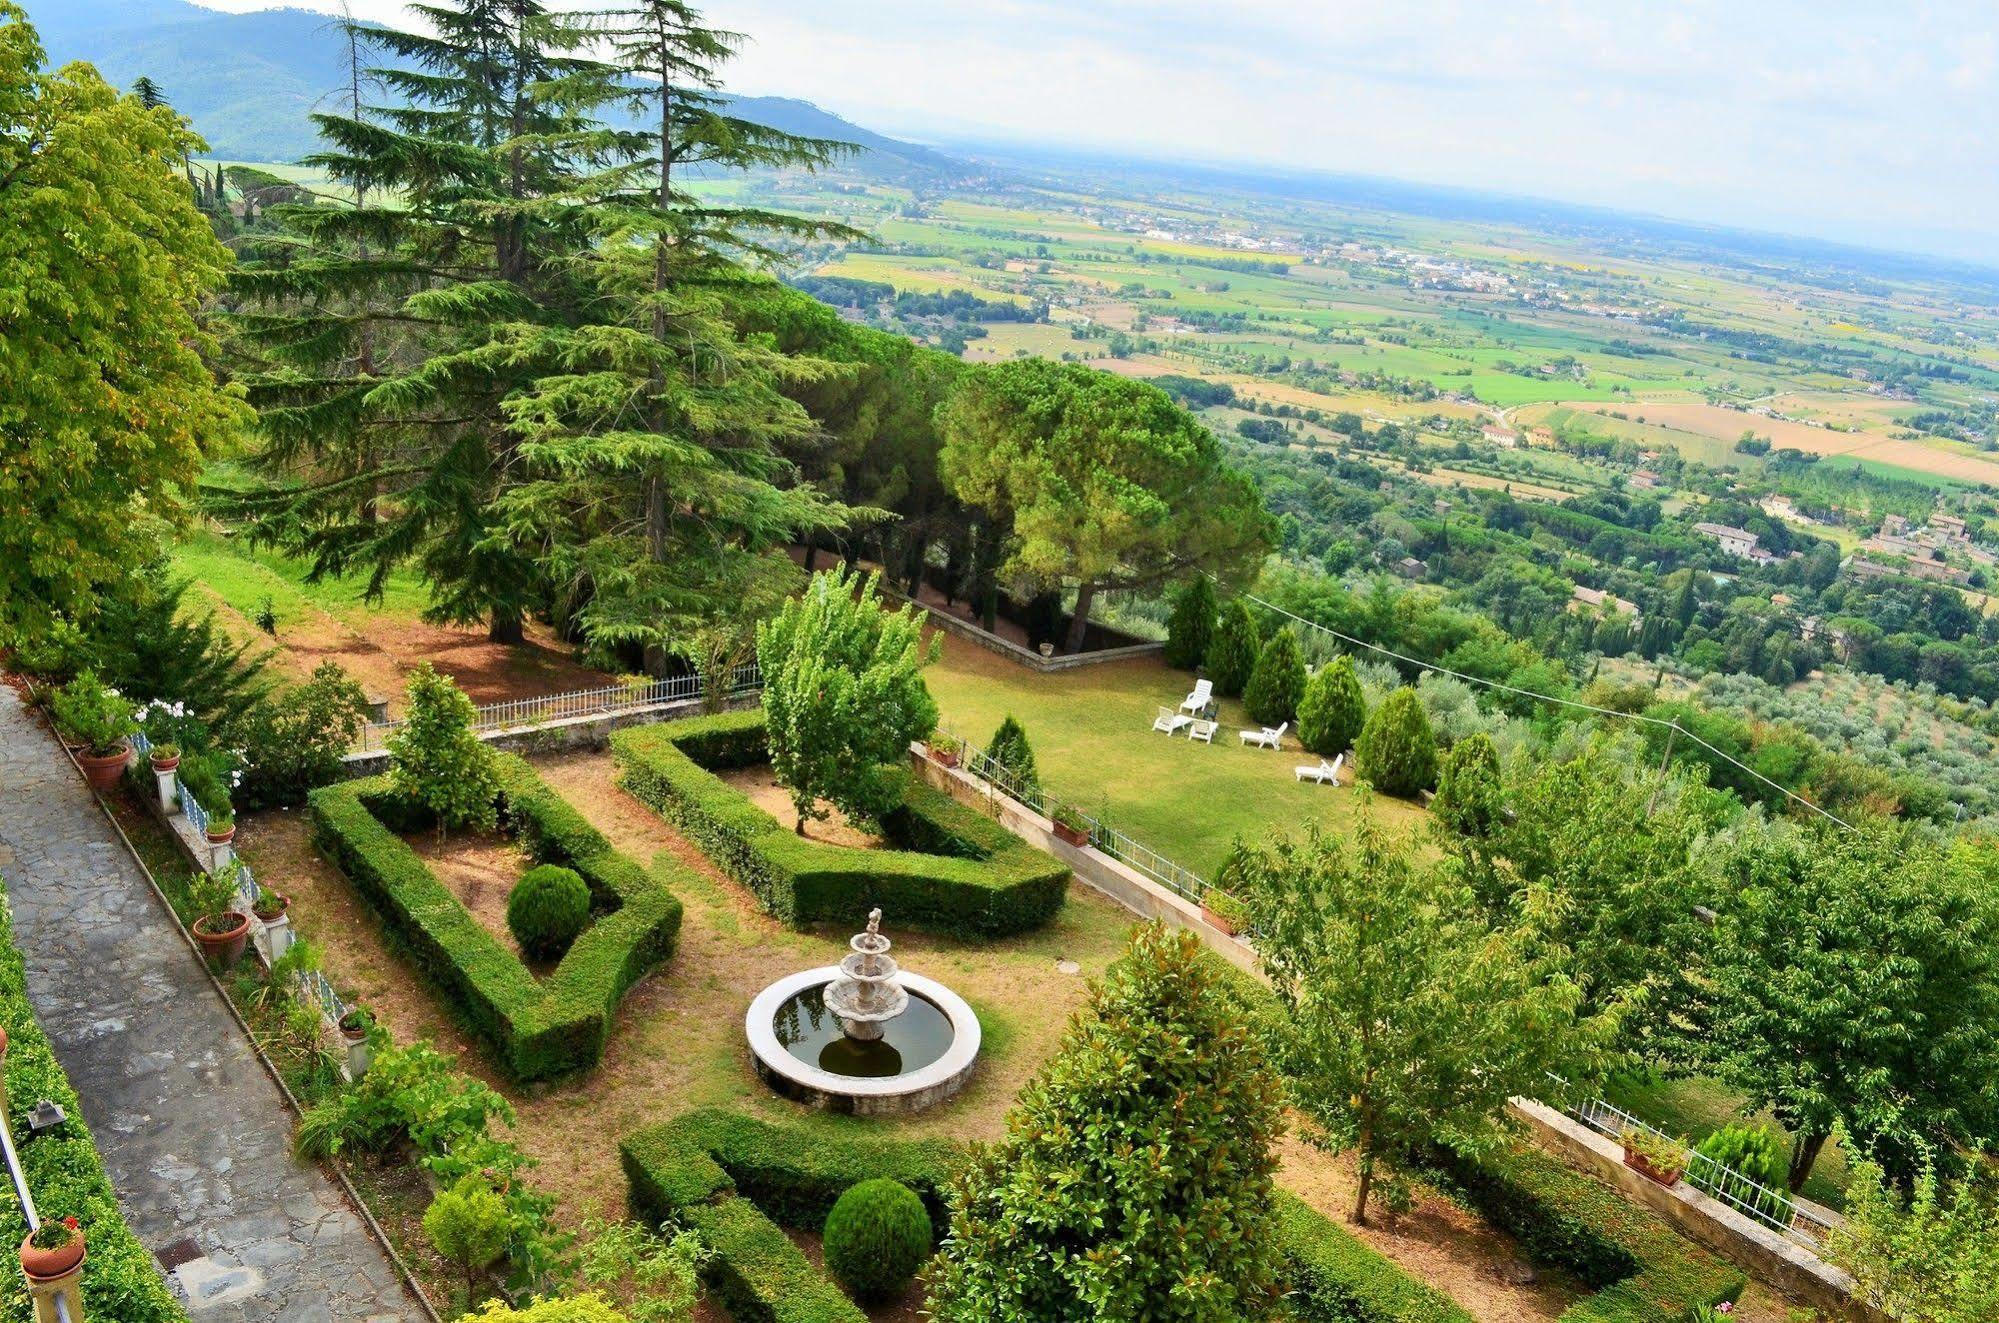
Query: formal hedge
(1642, 1268)
(538, 1028)
(714, 1159)
(120, 1279)
(953, 870)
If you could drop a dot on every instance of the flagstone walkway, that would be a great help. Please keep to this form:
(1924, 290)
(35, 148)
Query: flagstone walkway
(195, 1135)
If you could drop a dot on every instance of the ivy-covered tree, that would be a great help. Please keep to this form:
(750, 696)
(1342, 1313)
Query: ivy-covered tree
(106, 402)
(1232, 654)
(1010, 749)
(1405, 1018)
(1134, 1181)
(1277, 682)
(1397, 752)
(1110, 484)
(1191, 627)
(1852, 979)
(1333, 710)
(844, 695)
(435, 759)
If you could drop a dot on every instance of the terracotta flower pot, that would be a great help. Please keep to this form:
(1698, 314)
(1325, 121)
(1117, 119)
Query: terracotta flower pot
(281, 905)
(222, 937)
(222, 835)
(1220, 921)
(1668, 1176)
(1078, 836)
(48, 1264)
(945, 757)
(103, 770)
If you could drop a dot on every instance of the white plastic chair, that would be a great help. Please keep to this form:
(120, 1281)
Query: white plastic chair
(1204, 693)
(1204, 731)
(1325, 773)
(1171, 721)
(1267, 738)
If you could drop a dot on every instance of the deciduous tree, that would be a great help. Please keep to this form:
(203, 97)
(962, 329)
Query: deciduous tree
(437, 761)
(1930, 1258)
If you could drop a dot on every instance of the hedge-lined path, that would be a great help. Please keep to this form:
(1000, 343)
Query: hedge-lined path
(194, 1134)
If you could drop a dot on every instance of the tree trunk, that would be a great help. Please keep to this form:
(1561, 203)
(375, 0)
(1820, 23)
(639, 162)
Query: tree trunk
(1361, 1189)
(1080, 624)
(811, 551)
(1802, 1157)
(506, 628)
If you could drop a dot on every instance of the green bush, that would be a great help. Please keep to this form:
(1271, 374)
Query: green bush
(1396, 752)
(1277, 682)
(1191, 627)
(1010, 749)
(546, 909)
(952, 869)
(1469, 794)
(1333, 710)
(1758, 1153)
(93, 714)
(63, 1169)
(876, 1238)
(1232, 653)
(436, 760)
(539, 1028)
(1334, 1278)
(1642, 1269)
(294, 743)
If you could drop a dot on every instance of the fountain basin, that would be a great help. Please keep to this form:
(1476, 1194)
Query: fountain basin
(936, 1068)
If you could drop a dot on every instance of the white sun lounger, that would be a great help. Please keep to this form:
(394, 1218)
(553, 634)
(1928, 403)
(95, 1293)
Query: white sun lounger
(1325, 773)
(1171, 721)
(1204, 693)
(1267, 738)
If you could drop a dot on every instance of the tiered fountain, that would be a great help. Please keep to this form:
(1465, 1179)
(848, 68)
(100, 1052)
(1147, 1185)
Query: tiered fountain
(864, 1035)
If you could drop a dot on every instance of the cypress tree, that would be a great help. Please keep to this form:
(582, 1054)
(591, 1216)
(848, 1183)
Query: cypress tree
(1191, 627)
(1397, 752)
(1232, 654)
(1009, 748)
(1333, 710)
(1277, 682)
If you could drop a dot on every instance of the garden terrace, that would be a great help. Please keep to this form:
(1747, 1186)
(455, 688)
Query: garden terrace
(953, 870)
(537, 1027)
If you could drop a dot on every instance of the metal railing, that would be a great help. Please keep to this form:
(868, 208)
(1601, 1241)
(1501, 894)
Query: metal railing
(1770, 1208)
(313, 984)
(19, 1177)
(190, 807)
(1181, 881)
(743, 679)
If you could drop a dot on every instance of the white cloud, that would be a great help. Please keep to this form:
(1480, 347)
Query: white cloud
(1843, 118)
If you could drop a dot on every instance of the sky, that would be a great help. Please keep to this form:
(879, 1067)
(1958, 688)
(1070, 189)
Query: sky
(1874, 123)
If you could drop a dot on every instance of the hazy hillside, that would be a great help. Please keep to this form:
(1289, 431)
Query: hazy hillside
(250, 81)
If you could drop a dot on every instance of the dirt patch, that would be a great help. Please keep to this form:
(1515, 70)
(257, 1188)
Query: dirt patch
(480, 868)
(764, 791)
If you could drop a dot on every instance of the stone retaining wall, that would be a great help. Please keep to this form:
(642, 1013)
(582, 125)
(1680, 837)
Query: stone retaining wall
(1007, 648)
(590, 731)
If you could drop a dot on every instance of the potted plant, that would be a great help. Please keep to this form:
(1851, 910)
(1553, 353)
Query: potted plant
(52, 1250)
(1654, 1156)
(273, 910)
(944, 749)
(354, 1027)
(165, 757)
(220, 929)
(1070, 825)
(1224, 911)
(100, 722)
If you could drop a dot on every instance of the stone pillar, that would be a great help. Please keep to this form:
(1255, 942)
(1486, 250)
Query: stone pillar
(277, 937)
(169, 798)
(45, 1291)
(219, 855)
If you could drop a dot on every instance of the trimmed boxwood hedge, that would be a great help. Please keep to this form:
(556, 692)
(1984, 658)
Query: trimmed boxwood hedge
(1642, 1268)
(957, 872)
(120, 1280)
(705, 1161)
(538, 1028)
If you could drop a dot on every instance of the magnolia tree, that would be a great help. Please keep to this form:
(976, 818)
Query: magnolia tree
(843, 695)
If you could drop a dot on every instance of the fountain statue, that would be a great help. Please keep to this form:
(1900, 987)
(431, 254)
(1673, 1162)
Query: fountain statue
(867, 995)
(863, 1036)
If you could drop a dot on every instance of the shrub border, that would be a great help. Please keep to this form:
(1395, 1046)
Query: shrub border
(537, 1028)
(702, 1167)
(977, 879)
(65, 1172)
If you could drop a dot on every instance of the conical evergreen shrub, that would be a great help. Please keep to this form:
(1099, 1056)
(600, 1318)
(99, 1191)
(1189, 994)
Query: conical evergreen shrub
(1396, 752)
(1232, 653)
(1277, 682)
(1191, 627)
(1333, 710)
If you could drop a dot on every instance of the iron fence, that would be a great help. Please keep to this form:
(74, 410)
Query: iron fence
(520, 712)
(1774, 1209)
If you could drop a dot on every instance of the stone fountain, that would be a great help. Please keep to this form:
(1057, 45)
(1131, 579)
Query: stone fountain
(864, 1035)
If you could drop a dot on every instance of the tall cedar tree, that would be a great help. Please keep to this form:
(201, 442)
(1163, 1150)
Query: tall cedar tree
(385, 340)
(1333, 710)
(1111, 484)
(1277, 682)
(1232, 654)
(1134, 1182)
(1191, 627)
(658, 442)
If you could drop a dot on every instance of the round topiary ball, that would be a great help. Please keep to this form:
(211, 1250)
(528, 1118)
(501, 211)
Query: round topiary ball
(877, 1237)
(546, 909)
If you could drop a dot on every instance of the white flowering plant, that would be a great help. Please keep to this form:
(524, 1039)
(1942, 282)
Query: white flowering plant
(93, 714)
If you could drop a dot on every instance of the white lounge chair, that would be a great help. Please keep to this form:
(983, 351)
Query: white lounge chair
(1324, 773)
(1204, 693)
(1171, 721)
(1204, 731)
(1267, 738)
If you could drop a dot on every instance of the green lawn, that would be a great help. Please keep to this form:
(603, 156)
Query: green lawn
(1091, 729)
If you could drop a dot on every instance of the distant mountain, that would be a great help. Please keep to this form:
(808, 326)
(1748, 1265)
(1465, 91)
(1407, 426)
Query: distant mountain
(250, 81)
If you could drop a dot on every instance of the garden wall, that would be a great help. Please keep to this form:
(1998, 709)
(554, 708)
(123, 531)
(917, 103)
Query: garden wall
(592, 731)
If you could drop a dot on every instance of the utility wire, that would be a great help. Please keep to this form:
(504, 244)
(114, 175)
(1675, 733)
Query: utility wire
(1640, 717)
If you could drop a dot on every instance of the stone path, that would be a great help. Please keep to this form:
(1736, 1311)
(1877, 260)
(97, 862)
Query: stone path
(195, 1135)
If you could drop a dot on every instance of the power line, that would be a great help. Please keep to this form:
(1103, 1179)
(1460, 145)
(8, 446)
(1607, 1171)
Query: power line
(1640, 717)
